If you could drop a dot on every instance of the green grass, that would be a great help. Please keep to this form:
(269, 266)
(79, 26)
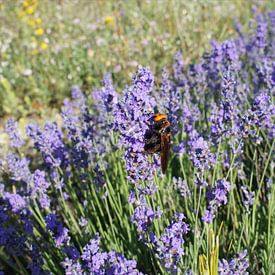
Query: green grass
(85, 39)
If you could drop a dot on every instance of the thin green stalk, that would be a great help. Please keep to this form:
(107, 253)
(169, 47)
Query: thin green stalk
(256, 201)
(69, 212)
(195, 232)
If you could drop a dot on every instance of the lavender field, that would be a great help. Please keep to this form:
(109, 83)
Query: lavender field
(81, 194)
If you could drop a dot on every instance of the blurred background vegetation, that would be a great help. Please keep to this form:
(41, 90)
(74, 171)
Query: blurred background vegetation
(48, 46)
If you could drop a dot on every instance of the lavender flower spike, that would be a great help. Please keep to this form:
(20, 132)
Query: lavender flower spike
(236, 266)
(170, 246)
(11, 129)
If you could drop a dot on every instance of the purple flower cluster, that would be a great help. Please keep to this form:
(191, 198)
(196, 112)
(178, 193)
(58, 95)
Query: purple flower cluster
(199, 152)
(181, 186)
(11, 129)
(235, 266)
(17, 168)
(60, 233)
(97, 262)
(260, 40)
(178, 68)
(107, 97)
(131, 120)
(16, 202)
(16, 229)
(49, 142)
(40, 186)
(12, 241)
(76, 121)
(228, 99)
(169, 247)
(87, 131)
(169, 101)
(144, 215)
(217, 196)
(248, 197)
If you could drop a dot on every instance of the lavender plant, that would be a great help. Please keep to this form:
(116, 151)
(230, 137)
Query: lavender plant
(83, 196)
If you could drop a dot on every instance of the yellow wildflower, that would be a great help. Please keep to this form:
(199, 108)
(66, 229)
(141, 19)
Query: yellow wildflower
(44, 46)
(30, 10)
(109, 20)
(38, 21)
(26, 4)
(39, 31)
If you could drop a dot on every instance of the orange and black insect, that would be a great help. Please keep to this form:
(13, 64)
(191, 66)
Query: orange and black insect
(158, 139)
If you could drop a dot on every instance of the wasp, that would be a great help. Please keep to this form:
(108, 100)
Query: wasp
(158, 139)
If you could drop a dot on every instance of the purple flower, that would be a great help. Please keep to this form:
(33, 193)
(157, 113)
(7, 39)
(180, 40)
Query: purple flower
(182, 187)
(179, 149)
(77, 95)
(40, 184)
(51, 222)
(265, 70)
(71, 267)
(148, 190)
(60, 233)
(199, 152)
(237, 265)
(81, 145)
(217, 128)
(261, 115)
(49, 142)
(12, 241)
(143, 216)
(11, 129)
(131, 120)
(99, 262)
(178, 68)
(169, 247)
(120, 265)
(187, 118)
(262, 111)
(248, 197)
(217, 196)
(72, 252)
(62, 237)
(87, 131)
(217, 52)
(36, 260)
(228, 98)
(219, 193)
(168, 100)
(16, 202)
(108, 95)
(83, 222)
(91, 249)
(18, 168)
(230, 53)
(208, 216)
(261, 34)
(44, 201)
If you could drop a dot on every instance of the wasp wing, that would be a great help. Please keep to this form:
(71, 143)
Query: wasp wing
(165, 150)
